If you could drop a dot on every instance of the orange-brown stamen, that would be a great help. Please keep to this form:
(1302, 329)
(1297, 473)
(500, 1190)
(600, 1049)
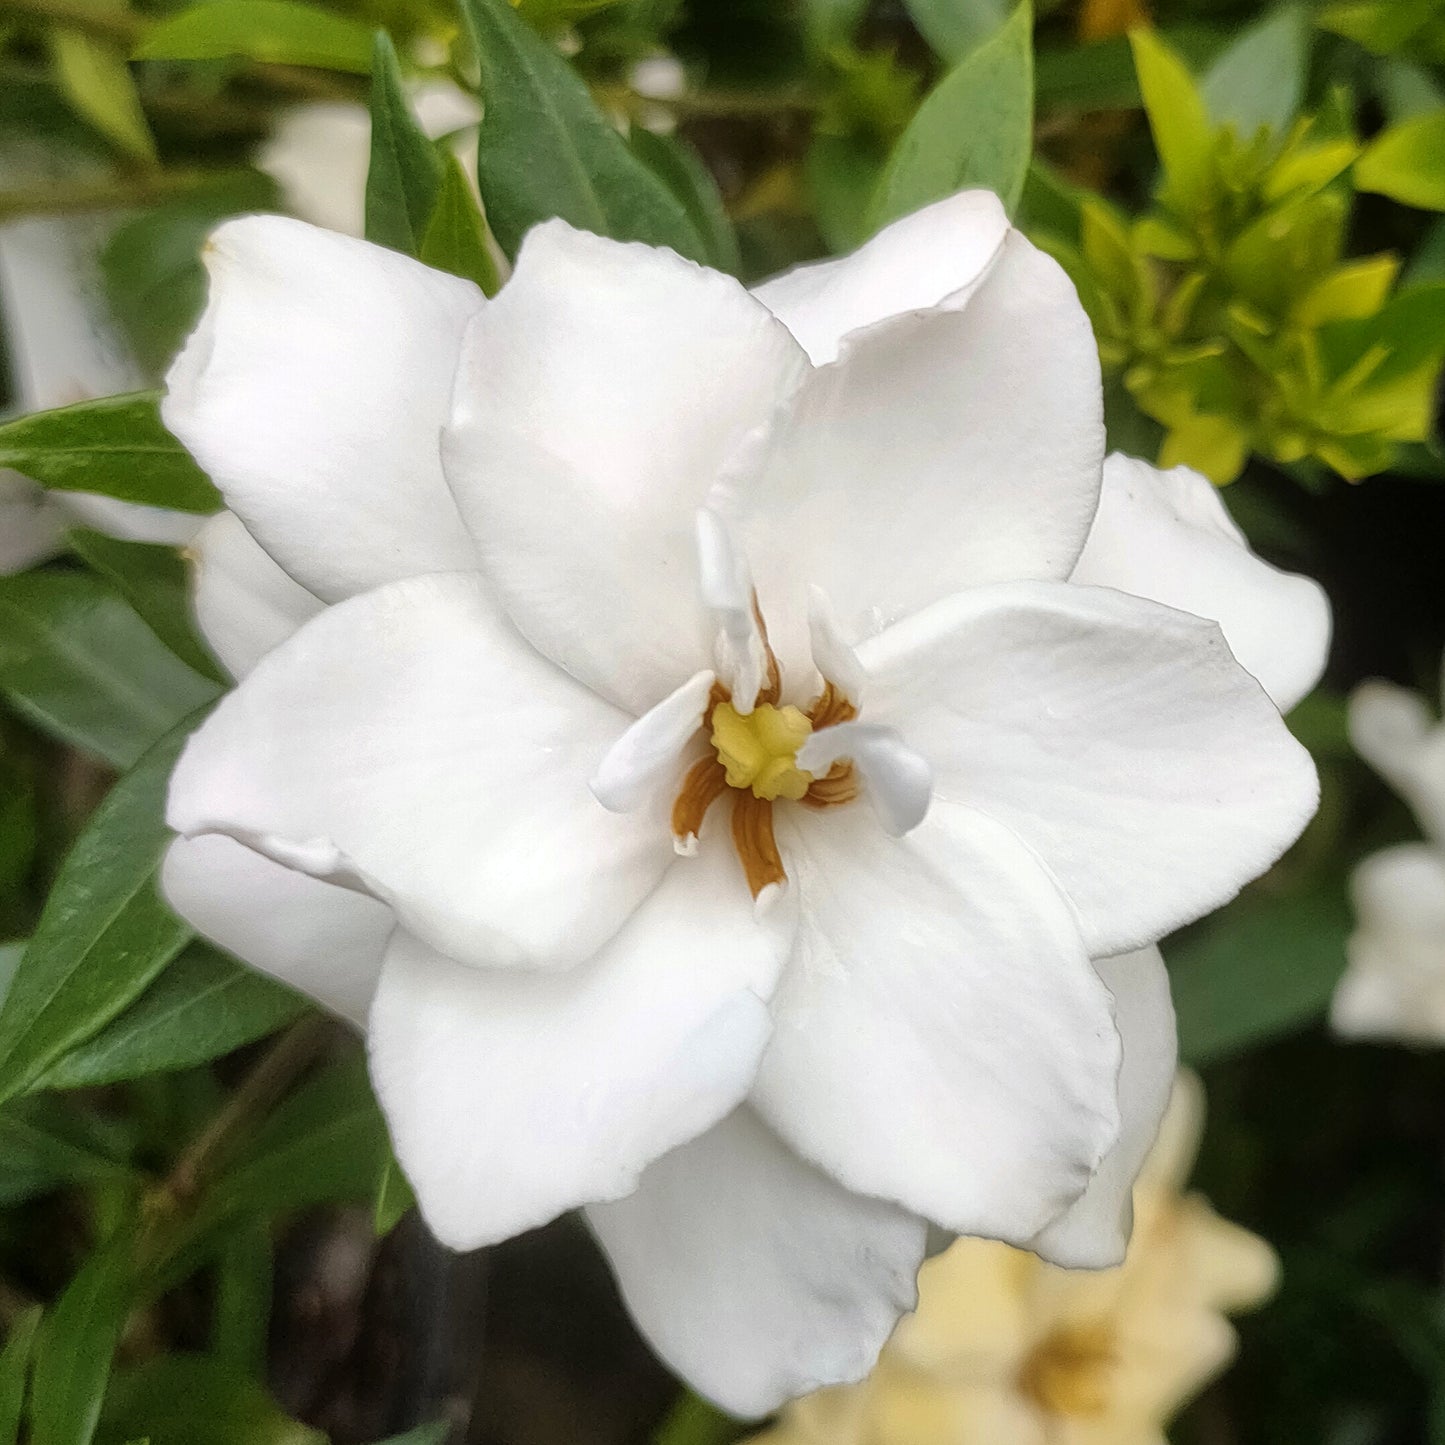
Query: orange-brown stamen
(831, 708)
(840, 783)
(705, 783)
(772, 688)
(755, 842)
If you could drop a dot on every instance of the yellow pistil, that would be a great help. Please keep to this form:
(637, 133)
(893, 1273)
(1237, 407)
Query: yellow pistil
(760, 751)
(1070, 1373)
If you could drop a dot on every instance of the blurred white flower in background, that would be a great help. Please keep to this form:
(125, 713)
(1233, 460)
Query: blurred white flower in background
(1394, 986)
(1008, 1350)
(901, 451)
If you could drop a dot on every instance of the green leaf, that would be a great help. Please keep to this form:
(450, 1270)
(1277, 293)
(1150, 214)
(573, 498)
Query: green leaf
(15, 1370)
(98, 83)
(843, 174)
(190, 1399)
(153, 580)
(1407, 163)
(544, 149)
(975, 128)
(151, 264)
(692, 1421)
(456, 236)
(326, 1142)
(46, 1144)
(201, 1007)
(279, 32)
(681, 169)
(243, 1298)
(394, 1197)
(78, 662)
(1261, 967)
(1178, 118)
(77, 1343)
(405, 175)
(831, 23)
(116, 446)
(1260, 79)
(954, 27)
(104, 933)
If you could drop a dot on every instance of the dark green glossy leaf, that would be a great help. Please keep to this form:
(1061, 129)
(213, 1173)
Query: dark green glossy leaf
(153, 580)
(77, 661)
(243, 1298)
(975, 128)
(544, 149)
(47, 1143)
(115, 446)
(405, 175)
(279, 32)
(201, 1007)
(15, 1371)
(682, 170)
(197, 1400)
(456, 237)
(77, 1343)
(104, 934)
(842, 175)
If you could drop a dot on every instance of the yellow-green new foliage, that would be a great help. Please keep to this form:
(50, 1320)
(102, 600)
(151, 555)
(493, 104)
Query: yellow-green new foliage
(1230, 310)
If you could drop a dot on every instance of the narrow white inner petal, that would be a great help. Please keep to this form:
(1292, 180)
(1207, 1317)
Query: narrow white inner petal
(899, 783)
(727, 592)
(646, 755)
(832, 655)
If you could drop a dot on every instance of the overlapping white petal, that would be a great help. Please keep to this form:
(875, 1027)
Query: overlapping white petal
(756, 1276)
(943, 449)
(515, 1096)
(1118, 738)
(1093, 1232)
(1166, 535)
(314, 390)
(323, 940)
(941, 1037)
(1395, 731)
(409, 742)
(245, 605)
(597, 397)
(926, 259)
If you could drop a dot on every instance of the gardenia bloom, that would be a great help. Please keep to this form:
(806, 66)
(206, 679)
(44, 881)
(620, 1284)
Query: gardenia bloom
(667, 720)
(1008, 1350)
(1394, 986)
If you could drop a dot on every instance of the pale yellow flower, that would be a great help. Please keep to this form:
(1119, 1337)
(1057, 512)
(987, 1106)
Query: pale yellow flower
(1008, 1350)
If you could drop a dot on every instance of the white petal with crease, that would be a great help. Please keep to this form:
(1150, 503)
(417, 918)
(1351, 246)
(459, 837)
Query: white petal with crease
(754, 1276)
(1120, 739)
(512, 1097)
(314, 390)
(409, 742)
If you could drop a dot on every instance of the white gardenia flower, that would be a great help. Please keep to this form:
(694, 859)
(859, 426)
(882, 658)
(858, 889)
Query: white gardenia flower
(666, 720)
(1394, 985)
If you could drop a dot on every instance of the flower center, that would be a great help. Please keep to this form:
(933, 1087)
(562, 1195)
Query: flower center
(1069, 1372)
(760, 751)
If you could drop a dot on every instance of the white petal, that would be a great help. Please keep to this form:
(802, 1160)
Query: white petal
(599, 396)
(754, 1276)
(648, 754)
(130, 521)
(513, 1097)
(726, 587)
(323, 940)
(1118, 738)
(1093, 1232)
(245, 604)
(314, 390)
(408, 742)
(942, 450)
(941, 1037)
(1166, 535)
(919, 261)
(1395, 732)
(32, 528)
(833, 655)
(898, 783)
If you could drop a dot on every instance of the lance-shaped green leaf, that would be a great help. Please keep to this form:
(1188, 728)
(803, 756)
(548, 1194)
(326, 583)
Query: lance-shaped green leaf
(97, 81)
(456, 235)
(1259, 80)
(201, 1007)
(405, 175)
(104, 933)
(1407, 162)
(47, 1143)
(77, 1344)
(153, 580)
(15, 1371)
(954, 27)
(280, 32)
(1178, 118)
(544, 148)
(79, 663)
(975, 128)
(116, 446)
(681, 168)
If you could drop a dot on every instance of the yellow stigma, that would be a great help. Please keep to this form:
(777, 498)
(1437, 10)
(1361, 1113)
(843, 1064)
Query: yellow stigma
(760, 751)
(1070, 1373)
